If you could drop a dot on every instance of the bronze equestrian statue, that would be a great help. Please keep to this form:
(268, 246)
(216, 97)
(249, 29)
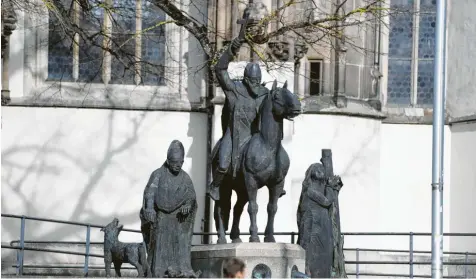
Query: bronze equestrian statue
(249, 155)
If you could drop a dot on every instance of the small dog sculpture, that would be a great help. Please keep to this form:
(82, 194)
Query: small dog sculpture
(118, 252)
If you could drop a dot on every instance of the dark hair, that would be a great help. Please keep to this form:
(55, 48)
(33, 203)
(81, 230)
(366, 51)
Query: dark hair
(232, 266)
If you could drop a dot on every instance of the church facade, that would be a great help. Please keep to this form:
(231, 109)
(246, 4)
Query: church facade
(81, 137)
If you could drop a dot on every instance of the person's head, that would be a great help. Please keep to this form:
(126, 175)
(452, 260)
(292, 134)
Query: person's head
(319, 172)
(315, 172)
(234, 268)
(175, 157)
(252, 78)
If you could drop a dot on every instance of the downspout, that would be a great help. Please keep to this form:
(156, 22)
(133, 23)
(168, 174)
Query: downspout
(210, 111)
(437, 179)
(211, 92)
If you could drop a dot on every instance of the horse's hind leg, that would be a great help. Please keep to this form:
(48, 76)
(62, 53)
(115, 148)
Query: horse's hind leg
(140, 269)
(219, 224)
(117, 268)
(237, 211)
(252, 189)
(274, 194)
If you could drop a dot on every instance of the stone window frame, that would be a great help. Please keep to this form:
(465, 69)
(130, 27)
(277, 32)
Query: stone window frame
(106, 69)
(307, 86)
(415, 108)
(38, 90)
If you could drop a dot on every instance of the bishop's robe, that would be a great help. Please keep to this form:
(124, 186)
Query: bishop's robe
(171, 232)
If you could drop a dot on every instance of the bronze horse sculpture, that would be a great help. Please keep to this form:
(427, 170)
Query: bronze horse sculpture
(264, 162)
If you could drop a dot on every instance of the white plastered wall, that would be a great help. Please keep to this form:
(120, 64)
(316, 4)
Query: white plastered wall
(90, 165)
(405, 189)
(463, 186)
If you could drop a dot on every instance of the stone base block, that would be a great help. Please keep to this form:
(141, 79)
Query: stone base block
(276, 258)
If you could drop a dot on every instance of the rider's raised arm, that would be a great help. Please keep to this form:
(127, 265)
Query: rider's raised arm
(221, 68)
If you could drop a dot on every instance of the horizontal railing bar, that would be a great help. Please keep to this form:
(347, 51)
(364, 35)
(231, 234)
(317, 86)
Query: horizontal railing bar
(406, 251)
(49, 220)
(214, 233)
(54, 242)
(51, 251)
(398, 275)
(245, 233)
(407, 263)
(62, 222)
(403, 234)
(71, 266)
(386, 274)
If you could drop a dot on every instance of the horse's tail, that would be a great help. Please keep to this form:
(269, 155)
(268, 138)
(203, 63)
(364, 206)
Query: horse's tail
(215, 152)
(143, 260)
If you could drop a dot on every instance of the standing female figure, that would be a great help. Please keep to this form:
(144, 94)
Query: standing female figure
(314, 222)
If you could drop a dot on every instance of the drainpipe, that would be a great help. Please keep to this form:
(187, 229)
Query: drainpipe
(210, 111)
(438, 142)
(211, 92)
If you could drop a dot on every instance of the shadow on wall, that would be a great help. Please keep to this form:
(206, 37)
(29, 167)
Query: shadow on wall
(90, 166)
(23, 182)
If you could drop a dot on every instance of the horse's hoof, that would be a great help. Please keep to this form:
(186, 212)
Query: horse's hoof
(254, 239)
(214, 194)
(221, 240)
(236, 240)
(282, 193)
(269, 239)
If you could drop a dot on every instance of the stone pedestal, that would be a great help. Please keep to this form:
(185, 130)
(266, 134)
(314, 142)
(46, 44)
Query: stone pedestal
(278, 257)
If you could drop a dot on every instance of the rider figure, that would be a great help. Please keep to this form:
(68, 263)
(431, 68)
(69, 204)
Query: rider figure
(239, 121)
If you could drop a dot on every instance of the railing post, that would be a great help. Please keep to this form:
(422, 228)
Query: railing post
(292, 237)
(86, 257)
(21, 254)
(411, 255)
(466, 265)
(357, 263)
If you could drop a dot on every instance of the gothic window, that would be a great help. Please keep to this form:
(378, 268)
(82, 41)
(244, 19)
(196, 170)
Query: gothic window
(411, 52)
(315, 77)
(133, 31)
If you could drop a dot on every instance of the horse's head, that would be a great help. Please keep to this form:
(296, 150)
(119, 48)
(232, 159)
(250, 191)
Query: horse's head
(285, 103)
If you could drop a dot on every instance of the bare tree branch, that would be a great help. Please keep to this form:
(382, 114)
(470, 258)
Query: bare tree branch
(121, 43)
(320, 23)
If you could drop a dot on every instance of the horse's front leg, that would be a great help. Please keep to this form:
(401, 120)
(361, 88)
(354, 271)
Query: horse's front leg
(252, 189)
(218, 216)
(274, 194)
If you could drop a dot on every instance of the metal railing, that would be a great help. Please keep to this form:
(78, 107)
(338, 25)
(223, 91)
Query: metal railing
(19, 245)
